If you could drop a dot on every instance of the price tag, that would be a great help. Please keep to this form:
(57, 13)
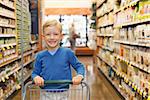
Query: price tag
(120, 86)
(7, 77)
(3, 49)
(138, 89)
(129, 83)
(130, 64)
(8, 47)
(3, 79)
(135, 87)
(141, 92)
(11, 46)
(149, 70)
(127, 80)
(145, 69)
(117, 73)
(18, 87)
(123, 76)
(144, 94)
(120, 74)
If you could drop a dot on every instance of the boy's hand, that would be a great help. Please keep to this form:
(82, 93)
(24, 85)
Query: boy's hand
(39, 81)
(77, 79)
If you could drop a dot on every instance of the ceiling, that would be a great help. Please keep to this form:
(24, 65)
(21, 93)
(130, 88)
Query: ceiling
(67, 3)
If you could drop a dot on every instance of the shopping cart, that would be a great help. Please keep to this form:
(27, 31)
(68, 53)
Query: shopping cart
(75, 92)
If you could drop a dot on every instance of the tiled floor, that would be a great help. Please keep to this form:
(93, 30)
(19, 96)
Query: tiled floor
(100, 89)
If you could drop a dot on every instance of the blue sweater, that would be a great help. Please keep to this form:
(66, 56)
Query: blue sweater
(57, 66)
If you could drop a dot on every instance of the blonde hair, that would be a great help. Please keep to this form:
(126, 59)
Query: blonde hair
(52, 22)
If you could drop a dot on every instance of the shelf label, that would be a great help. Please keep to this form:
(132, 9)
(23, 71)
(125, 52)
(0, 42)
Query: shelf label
(3, 79)
(18, 87)
(127, 81)
(135, 87)
(3, 48)
(138, 89)
(12, 46)
(7, 77)
(141, 92)
(8, 47)
(130, 83)
(144, 94)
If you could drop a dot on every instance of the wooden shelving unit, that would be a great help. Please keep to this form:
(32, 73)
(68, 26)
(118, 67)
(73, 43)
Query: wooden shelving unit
(127, 67)
(10, 58)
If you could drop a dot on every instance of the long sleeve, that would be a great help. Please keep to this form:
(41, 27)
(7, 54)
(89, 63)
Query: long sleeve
(76, 64)
(37, 67)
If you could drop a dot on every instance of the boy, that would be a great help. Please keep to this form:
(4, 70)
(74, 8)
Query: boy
(54, 63)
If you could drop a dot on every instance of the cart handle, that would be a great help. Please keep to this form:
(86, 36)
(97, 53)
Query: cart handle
(56, 82)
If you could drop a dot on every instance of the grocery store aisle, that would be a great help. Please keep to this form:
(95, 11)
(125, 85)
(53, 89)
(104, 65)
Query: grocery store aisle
(99, 87)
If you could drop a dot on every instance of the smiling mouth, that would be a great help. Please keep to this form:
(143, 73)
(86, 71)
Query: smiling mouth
(51, 42)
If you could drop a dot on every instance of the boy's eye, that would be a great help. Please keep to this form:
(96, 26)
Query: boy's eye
(55, 33)
(47, 34)
(52, 33)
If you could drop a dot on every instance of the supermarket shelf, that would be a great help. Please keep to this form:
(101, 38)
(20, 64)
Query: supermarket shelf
(115, 87)
(146, 70)
(132, 43)
(6, 45)
(25, 64)
(126, 80)
(105, 35)
(128, 5)
(10, 61)
(26, 53)
(7, 35)
(14, 88)
(132, 23)
(10, 92)
(13, 8)
(35, 50)
(9, 26)
(8, 16)
(15, 58)
(98, 6)
(106, 25)
(27, 76)
(106, 13)
(107, 48)
(33, 42)
(13, 71)
(132, 85)
(106, 62)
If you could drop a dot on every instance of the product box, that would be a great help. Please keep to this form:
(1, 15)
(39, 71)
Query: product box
(144, 10)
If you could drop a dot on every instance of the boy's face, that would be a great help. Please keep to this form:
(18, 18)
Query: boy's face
(52, 36)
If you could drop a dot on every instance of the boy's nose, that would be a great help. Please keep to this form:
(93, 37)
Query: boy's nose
(51, 36)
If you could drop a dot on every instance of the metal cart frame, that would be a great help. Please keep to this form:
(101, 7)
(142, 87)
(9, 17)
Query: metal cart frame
(75, 92)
